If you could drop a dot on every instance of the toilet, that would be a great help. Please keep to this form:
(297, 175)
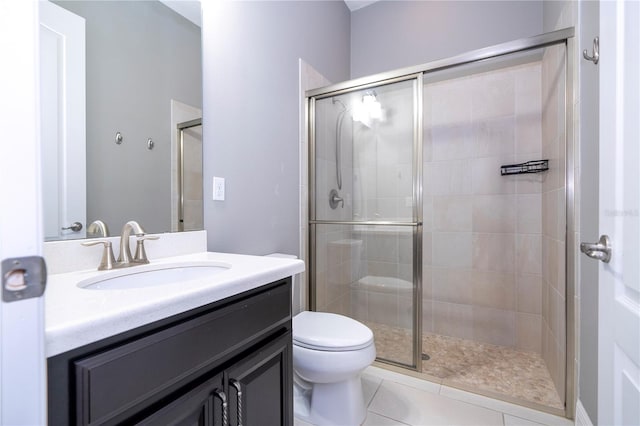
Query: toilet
(329, 353)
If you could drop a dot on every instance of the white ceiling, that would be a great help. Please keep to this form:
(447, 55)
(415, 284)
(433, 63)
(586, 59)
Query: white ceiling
(358, 4)
(190, 9)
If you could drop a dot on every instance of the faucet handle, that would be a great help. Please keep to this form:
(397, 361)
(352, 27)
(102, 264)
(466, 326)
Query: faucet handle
(141, 254)
(108, 259)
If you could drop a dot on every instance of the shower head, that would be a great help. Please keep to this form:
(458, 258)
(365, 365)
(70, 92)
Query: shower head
(368, 109)
(338, 101)
(369, 96)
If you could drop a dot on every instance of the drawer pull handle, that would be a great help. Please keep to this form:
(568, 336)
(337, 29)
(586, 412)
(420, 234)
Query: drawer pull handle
(236, 385)
(223, 397)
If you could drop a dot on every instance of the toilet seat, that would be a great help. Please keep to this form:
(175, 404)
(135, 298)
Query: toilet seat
(325, 331)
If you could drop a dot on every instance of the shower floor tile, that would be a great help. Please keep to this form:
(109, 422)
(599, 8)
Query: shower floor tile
(485, 368)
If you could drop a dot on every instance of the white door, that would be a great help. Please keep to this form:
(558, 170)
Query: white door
(619, 292)
(62, 101)
(22, 361)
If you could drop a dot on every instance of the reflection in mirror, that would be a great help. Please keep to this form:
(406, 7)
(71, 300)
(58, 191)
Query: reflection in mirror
(143, 79)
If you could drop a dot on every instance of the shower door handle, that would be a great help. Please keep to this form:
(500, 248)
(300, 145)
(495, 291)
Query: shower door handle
(600, 250)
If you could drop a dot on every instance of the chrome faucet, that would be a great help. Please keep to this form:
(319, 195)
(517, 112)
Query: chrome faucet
(124, 258)
(98, 228)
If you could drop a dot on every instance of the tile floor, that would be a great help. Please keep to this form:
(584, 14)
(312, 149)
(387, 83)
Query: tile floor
(497, 370)
(396, 399)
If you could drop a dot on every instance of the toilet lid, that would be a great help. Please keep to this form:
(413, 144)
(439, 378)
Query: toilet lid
(330, 332)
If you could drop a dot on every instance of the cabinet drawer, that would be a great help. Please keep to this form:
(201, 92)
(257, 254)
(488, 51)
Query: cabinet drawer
(111, 385)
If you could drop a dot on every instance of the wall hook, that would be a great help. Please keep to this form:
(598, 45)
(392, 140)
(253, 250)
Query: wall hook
(595, 57)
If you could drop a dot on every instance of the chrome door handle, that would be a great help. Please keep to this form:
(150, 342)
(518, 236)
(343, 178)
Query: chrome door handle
(600, 250)
(75, 227)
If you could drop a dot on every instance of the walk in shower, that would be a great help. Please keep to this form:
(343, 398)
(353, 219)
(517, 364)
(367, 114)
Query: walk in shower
(438, 216)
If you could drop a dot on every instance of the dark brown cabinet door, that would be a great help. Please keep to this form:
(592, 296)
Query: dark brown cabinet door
(260, 386)
(195, 408)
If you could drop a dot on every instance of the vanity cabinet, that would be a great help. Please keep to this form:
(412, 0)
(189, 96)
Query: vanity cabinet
(226, 363)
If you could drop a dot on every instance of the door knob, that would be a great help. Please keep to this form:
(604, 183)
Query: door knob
(75, 227)
(600, 250)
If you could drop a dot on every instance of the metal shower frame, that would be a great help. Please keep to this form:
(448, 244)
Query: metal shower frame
(416, 73)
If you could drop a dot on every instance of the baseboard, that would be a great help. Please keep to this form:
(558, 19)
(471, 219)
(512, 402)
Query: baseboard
(582, 418)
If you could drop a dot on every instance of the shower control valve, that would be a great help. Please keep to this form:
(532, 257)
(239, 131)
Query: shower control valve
(335, 199)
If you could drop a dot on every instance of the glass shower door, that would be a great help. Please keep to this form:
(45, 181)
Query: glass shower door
(365, 174)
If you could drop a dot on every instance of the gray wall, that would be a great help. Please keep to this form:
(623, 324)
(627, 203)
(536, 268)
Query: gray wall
(250, 60)
(589, 179)
(140, 55)
(395, 34)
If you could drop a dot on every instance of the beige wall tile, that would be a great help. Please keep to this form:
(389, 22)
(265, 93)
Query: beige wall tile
(383, 308)
(494, 213)
(452, 285)
(530, 183)
(529, 214)
(545, 300)
(528, 133)
(552, 262)
(528, 89)
(453, 320)
(559, 379)
(452, 249)
(427, 251)
(427, 283)
(359, 304)
(493, 137)
(493, 95)
(494, 290)
(494, 252)
(529, 254)
(529, 294)
(494, 326)
(427, 316)
(427, 213)
(452, 141)
(405, 311)
(447, 178)
(450, 103)
(554, 311)
(451, 213)
(486, 178)
(549, 214)
(529, 332)
(382, 269)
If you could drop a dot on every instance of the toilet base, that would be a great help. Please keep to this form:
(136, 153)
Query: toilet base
(340, 403)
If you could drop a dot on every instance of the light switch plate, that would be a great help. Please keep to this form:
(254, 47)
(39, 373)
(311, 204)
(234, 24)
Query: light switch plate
(218, 188)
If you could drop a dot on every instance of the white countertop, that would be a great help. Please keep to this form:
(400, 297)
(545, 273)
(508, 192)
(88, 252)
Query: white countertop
(75, 316)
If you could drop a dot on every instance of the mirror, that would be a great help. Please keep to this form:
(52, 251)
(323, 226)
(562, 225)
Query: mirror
(143, 72)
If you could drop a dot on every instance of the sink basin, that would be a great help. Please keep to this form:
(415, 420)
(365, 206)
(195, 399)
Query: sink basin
(153, 275)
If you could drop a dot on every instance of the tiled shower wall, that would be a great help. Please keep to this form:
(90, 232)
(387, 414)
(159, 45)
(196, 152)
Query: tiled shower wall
(554, 216)
(482, 245)
(493, 246)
